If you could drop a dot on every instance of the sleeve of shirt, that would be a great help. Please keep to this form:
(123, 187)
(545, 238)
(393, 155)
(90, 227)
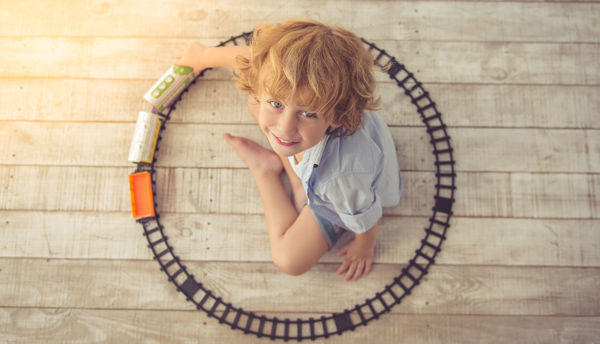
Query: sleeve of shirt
(354, 200)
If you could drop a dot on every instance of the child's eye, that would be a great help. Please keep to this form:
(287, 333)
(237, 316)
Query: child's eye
(309, 115)
(275, 104)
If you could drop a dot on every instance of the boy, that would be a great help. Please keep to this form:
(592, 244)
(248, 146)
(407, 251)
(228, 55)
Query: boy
(311, 91)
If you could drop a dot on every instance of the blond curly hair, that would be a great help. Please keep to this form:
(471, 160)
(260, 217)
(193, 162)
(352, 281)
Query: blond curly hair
(328, 67)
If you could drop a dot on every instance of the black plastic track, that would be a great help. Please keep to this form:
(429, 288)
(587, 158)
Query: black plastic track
(361, 314)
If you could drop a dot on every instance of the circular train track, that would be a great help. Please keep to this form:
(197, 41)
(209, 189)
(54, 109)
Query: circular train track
(360, 314)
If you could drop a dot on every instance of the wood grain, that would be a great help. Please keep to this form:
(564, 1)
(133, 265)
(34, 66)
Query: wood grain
(243, 238)
(200, 146)
(431, 62)
(39, 325)
(219, 102)
(261, 287)
(400, 20)
(232, 191)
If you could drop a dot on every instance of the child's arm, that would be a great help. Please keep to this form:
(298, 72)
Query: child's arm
(199, 57)
(359, 254)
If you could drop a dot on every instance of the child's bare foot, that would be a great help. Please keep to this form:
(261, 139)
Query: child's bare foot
(254, 156)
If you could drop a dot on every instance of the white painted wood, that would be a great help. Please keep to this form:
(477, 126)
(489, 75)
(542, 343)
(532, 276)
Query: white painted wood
(261, 287)
(201, 146)
(218, 101)
(431, 62)
(398, 20)
(243, 238)
(232, 191)
(38, 325)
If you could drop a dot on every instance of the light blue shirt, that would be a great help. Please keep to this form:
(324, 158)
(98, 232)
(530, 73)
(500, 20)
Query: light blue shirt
(348, 180)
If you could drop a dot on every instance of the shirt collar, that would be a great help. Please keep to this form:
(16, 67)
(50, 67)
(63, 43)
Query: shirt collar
(317, 152)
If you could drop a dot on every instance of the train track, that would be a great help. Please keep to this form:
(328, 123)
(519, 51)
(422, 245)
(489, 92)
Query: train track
(360, 314)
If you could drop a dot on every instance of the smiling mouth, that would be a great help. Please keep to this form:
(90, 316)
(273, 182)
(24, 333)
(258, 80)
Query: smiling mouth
(283, 142)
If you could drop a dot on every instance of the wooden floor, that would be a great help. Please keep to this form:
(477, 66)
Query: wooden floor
(518, 83)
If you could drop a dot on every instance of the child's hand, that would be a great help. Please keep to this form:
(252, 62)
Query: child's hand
(191, 55)
(358, 259)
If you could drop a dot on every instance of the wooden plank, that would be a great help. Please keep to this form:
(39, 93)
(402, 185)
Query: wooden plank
(107, 144)
(496, 241)
(261, 287)
(214, 101)
(595, 199)
(52, 189)
(423, 20)
(522, 186)
(39, 325)
(516, 105)
(73, 100)
(522, 150)
(232, 191)
(75, 235)
(243, 238)
(218, 101)
(517, 194)
(454, 62)
(498, 63)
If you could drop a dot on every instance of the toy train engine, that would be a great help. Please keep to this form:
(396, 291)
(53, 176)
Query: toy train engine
(168, 88)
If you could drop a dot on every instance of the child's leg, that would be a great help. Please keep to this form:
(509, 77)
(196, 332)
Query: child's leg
(296, 241)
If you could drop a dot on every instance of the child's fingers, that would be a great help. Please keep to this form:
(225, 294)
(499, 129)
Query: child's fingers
(351, 271)
(344, 266)
(360, 267)
(368, 265)
(228, 138)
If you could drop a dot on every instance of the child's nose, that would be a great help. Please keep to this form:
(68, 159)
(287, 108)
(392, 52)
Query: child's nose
(287, 123)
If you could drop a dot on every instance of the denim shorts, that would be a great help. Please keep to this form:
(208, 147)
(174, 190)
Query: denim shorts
(331, 232)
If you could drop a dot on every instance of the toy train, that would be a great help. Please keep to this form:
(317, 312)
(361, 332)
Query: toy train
(145, 138)
(168, 88)
(162, 96)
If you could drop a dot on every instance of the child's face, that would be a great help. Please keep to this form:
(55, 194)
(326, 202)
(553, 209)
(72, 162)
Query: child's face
(289, 127)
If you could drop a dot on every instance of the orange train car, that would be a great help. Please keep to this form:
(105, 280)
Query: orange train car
(142, 198)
